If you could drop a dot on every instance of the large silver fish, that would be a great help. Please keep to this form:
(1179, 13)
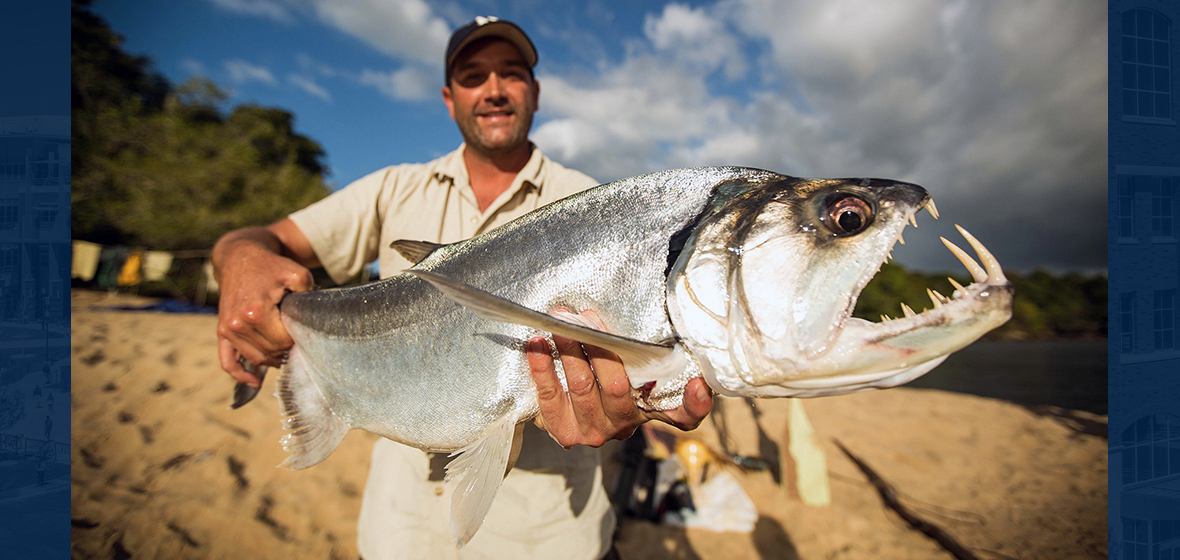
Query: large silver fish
(743, 276)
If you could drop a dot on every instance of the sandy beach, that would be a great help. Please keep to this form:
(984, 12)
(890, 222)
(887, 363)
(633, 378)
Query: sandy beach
(162, 468)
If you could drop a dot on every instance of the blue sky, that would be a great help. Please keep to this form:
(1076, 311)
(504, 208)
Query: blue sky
(998, 108)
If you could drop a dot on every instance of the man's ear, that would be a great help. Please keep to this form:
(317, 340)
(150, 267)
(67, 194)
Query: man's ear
(448, 101)
(536, 95)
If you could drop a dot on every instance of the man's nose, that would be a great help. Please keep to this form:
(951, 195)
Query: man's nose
(493, 86)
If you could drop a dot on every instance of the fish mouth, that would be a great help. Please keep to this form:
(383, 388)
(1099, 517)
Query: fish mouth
(862, 355)
(873, 355)
(986, 278)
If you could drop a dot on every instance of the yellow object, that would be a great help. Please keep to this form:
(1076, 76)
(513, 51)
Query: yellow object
(811, 467)
(129, 275)
(694, 456)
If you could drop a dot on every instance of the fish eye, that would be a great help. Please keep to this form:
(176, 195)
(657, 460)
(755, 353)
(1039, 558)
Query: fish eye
(848, 214)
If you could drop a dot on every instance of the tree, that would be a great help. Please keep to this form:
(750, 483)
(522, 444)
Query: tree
(162, 167)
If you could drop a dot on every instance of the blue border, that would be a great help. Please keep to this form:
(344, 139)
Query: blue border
(35, 283)
(1144, 265)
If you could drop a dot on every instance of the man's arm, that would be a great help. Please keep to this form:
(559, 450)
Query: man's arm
(255, 268)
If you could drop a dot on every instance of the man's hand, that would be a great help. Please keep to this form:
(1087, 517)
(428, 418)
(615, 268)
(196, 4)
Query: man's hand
(254, 273)
(598, 406)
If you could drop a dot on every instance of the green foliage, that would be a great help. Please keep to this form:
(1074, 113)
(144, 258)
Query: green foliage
(163, 167)
(1045, 306)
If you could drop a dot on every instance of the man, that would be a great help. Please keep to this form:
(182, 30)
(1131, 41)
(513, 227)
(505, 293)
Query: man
(552, 505)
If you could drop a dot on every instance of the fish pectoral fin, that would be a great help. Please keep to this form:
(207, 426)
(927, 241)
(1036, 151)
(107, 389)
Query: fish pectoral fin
(634, 353)
(314, 430)
(479, 467)
(414, 251)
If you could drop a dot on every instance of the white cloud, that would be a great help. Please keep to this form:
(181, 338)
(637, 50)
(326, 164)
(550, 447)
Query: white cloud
(308, 85)
(269, 9)
(998, 108)
(193, 67)
(695, 35)
(241, 71)
(404, 29)
(309, 64)
(407, 30)
(407, 84)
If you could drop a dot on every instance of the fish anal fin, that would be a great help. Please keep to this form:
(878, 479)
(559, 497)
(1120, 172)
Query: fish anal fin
(414, 251)
(635, 353)
(517, 440)
(479, 469)
(314, 430)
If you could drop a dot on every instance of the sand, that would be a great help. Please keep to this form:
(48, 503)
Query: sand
(161, 468)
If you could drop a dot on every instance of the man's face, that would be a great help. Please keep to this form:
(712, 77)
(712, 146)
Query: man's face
(492, 96)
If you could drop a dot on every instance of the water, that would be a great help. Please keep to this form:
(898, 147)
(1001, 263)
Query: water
(1065, 373)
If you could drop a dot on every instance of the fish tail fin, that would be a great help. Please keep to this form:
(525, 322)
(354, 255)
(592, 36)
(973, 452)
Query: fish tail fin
(315, 430)
(480, 467)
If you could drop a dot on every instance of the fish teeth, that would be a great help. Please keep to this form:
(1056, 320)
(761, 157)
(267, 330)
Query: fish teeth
(885, 318)
(913, 221)
(958, 287)
(973, 267)
(900, 238)
(994, 274)
(907, 311)
(936, 298)
(929, 206)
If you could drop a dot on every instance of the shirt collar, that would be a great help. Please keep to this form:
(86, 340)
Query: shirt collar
(454, 171)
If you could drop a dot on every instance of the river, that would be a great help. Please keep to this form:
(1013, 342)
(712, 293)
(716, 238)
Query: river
(1065, 373)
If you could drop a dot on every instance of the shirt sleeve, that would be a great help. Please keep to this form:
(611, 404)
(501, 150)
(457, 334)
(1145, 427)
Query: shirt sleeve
(344, 228)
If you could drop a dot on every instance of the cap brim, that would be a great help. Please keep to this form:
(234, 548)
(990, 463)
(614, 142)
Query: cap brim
(503, 30)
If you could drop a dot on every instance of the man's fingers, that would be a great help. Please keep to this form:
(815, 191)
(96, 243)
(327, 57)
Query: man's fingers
(583, 389)
(551, 397)
(259, 335)
(614, 387)
(229, 362)
(698, 401)
(299, 280)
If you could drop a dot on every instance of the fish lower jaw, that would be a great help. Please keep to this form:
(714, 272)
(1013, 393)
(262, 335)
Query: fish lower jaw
(965, 303)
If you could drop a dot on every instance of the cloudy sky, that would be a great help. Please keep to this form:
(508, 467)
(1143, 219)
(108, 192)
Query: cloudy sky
(997, 107)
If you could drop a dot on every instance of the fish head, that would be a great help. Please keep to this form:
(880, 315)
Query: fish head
(763, 291)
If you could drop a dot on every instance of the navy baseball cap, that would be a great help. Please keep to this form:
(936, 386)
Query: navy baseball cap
(489, 26)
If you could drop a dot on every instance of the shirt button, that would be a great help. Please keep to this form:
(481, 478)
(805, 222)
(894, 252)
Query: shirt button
(438, 490)
(474, 220)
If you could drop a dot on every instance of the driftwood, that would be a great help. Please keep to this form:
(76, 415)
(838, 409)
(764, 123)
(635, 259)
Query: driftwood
(914, 520)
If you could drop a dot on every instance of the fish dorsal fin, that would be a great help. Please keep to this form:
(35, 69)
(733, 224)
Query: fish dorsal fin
(636, 354)
(414, 251)
(479, 467)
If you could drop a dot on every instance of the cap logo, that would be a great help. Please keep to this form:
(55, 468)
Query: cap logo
(484, 20)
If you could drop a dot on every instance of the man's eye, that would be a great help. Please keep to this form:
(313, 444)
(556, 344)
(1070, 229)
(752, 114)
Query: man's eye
(472, 79)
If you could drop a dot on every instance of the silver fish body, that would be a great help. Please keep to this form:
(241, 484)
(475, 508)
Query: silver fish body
(400, 359)
(743, 276)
